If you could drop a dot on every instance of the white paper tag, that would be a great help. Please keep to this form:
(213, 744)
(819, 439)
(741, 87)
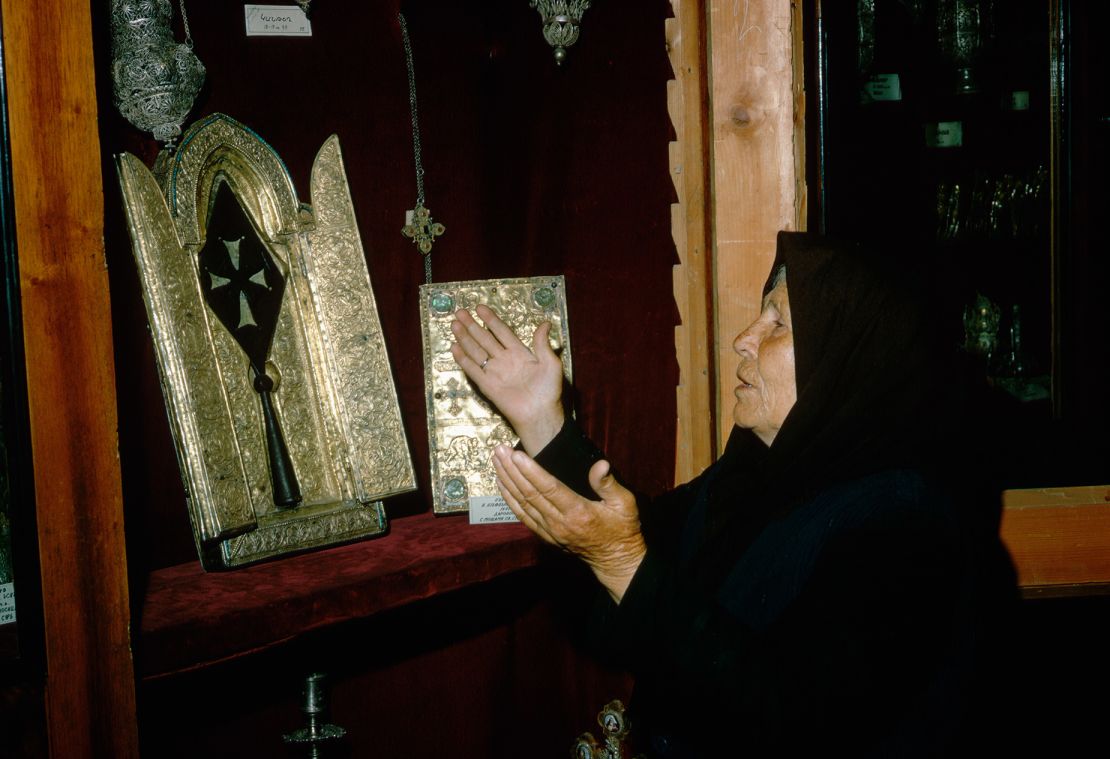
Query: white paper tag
(276, 21)
(490, 509)
(7, 603)
(884, 87)
(944, 134)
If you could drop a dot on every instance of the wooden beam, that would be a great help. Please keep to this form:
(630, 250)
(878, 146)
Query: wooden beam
(1059, 539)
(687, 102)
(757, 132)
(59, 210)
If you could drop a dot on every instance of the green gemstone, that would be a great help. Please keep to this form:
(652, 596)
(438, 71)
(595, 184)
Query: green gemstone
(454, 489)
(442, 302)
(543, 297)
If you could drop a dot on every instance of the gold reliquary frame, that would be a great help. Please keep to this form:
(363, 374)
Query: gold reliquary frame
(332, 396)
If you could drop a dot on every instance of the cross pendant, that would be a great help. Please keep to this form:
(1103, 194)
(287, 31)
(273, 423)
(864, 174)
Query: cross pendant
(420, 228)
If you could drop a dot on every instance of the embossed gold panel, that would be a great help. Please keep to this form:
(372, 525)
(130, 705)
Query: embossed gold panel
(334, 393)
(463, 428)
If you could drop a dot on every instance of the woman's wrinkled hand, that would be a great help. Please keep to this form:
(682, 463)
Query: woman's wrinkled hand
(605, 533)
(525, 385)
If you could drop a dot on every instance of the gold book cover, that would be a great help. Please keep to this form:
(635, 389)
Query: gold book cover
(463, 427)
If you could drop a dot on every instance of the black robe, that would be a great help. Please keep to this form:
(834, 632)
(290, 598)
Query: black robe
(839, 589)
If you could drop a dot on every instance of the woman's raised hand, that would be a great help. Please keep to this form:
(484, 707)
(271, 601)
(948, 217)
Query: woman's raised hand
(605, 533)
(525, 385)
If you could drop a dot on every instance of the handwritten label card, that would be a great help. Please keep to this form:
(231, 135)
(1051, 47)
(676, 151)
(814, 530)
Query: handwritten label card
(944, 134)
(7, 602)
(490, 509)
(276, 21)
(883, 87)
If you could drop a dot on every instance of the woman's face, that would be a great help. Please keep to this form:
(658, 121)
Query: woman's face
(767, 389)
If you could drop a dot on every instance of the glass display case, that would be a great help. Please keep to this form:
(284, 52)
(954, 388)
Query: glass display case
(951, 130)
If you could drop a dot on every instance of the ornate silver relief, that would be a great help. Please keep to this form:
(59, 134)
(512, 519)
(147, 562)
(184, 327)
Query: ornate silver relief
(155, 78)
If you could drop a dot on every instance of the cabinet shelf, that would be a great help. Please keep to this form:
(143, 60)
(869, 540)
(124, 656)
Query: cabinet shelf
(191, 619)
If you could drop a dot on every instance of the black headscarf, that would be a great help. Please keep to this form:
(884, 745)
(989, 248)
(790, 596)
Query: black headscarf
(876, 389)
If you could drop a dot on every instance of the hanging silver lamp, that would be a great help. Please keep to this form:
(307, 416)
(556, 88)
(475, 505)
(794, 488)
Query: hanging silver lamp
(560, 23)
(155, 78)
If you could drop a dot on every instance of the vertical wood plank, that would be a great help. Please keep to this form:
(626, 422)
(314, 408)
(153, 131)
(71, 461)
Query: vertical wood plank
(755, 180)
(687, 101)
(56, 175)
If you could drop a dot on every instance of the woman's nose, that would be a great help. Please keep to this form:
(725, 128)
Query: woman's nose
(745, 342)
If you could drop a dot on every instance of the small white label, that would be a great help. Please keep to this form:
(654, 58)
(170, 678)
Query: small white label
(490, 509)
(1019, 100)
(276, 21)
(883, 87)
(944, 134)
(7, 603)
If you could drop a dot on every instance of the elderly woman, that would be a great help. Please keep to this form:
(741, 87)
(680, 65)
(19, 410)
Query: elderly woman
(817, 587)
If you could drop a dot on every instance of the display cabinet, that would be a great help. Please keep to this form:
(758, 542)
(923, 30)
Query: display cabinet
(529, 166)
(967, 134)
(933, 135)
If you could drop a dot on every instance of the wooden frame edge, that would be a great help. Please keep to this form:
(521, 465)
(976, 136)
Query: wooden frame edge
(59, 211)
(687, 104)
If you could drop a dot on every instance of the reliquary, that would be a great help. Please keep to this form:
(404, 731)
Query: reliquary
(270, 352)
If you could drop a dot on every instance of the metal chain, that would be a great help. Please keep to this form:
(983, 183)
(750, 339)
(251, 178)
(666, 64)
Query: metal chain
(415, 134)
(185, 23)
(419, 224)
(412, 109)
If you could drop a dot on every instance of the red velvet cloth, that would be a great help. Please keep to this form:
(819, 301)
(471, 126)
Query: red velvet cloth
(191, 618)
(487, 671)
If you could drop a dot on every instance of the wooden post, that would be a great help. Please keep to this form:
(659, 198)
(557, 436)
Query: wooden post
(757, 135)
(687, 102)
(58, 196)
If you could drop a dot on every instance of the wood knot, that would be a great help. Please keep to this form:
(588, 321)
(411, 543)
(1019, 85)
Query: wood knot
(741, 115)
